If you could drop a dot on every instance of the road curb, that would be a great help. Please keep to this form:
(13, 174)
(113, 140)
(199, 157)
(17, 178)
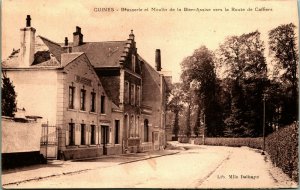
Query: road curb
(148, 158)
(88, 169)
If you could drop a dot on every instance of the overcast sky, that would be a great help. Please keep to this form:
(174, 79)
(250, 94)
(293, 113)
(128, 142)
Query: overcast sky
(176, 33)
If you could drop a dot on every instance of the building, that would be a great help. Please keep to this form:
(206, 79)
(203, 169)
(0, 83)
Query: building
(137, 89)
(102, 96)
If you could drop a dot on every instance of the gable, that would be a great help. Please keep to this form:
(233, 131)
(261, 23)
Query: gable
(80, 69)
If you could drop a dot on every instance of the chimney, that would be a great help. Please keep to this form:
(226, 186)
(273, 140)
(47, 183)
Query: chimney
(27, 44)
(66, 41)
(77, 37)
(157, 60)
(131, 36)
(66, 47)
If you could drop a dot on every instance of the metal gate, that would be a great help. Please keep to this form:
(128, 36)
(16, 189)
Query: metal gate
(49, 141)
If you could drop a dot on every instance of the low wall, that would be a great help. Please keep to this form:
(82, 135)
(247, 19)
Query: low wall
(145, 147)
(14, 160)
(20, 136)
(78, 153)
(222, 141)
(233, 142)
(89, 152)
(114, 150)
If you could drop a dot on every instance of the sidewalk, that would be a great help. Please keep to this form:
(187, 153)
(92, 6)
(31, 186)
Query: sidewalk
(59, 167)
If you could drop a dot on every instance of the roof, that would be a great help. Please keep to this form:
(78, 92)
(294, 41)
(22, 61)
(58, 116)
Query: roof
(53, 47)
(67, 58)
(153, 73)
(46, 54)
(12, 60)
(102, 54)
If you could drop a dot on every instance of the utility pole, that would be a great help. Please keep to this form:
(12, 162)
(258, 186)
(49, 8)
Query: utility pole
(203, 129)
(264, 123)
(47, 140)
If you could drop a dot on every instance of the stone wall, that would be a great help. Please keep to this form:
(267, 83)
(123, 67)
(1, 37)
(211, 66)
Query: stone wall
(19, 136)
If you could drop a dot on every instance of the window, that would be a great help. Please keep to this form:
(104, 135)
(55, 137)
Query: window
(146, 131)
(93, 134)
(137, 126)
(82, 99)
(133, 62)
(71, 134)
(126, 93)
(132, 126)
(132, 94)
(93, 102)
(138, 91)
(117, 131)
(102, 104)
(82, 142)
(71, 97)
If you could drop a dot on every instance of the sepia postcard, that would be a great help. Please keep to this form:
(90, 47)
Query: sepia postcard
(149, 94)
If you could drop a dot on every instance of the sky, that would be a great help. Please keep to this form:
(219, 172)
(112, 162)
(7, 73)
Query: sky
(176, 33)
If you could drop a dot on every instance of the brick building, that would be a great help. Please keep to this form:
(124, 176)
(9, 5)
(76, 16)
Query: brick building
(102, 96)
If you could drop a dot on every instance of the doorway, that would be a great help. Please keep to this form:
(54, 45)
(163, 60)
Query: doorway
(104, 138)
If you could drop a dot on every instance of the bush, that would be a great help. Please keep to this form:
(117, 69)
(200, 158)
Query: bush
(183, 139)
(282, 146)
(233, 142)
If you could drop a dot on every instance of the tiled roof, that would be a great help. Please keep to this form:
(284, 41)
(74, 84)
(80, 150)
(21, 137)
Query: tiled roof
(54, 48)
(12, 60)
(154, 74)
(69, 57)
(52, 62)
(46, 55)
(102, 54)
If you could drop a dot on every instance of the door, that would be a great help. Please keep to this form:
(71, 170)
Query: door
(104, 138)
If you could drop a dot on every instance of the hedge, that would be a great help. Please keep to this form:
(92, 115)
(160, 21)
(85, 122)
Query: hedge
(282, 146)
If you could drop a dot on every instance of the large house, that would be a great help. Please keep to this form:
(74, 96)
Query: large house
(103, 97)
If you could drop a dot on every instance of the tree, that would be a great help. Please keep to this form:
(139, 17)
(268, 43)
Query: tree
(188, 130)
(175, 104)
(9, 104)
(282, 45)
(230, 60)
(245, 68)
(199, 78)
(197, 122)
